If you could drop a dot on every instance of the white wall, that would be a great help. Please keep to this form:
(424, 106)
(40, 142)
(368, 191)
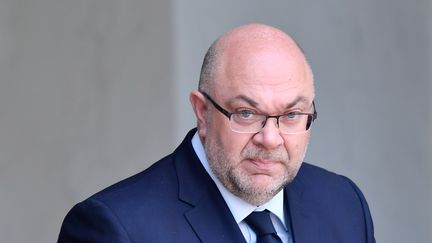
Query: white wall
(94, 91)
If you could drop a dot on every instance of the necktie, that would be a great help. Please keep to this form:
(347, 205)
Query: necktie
(261, 224)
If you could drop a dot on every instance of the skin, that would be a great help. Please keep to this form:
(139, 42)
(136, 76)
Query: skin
(259, 68)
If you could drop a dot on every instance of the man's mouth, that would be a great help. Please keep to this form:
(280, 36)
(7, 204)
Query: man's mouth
(263, 164)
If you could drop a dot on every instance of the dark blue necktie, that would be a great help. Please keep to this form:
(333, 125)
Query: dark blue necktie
(261, 224)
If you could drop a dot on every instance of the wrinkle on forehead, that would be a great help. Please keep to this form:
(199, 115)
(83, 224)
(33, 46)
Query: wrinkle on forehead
(270, 103)
(256, 104)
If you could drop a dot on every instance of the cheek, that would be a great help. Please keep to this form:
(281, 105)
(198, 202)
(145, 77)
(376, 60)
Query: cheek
(230, 142)
(295, 145)
(208, 128)
(234, 143)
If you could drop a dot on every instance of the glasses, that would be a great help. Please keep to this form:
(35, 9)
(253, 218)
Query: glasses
(246, 121)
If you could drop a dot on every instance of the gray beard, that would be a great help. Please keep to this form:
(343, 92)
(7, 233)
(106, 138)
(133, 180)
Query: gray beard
(238, 183)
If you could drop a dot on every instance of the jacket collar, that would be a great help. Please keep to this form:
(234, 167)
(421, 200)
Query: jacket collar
(209, 215)
(303, 221)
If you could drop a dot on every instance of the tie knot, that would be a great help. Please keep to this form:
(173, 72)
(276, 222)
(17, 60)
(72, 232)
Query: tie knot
(261, 223)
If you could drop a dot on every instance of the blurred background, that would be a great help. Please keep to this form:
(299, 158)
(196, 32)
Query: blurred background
(93, 91)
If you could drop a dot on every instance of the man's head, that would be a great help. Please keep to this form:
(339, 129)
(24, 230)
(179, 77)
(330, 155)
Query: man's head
(253, 69)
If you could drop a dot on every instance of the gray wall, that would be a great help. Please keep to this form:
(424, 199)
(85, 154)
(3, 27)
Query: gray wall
(94, 91)
(86, 97)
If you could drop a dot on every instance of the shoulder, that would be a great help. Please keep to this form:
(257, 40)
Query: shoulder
(121, 212)
(334, 197)
(156, 182)
(312, 176)
(124, 210)
(329, 192)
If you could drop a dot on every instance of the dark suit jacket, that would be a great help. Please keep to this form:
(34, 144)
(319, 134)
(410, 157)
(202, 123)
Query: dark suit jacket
(176, 201)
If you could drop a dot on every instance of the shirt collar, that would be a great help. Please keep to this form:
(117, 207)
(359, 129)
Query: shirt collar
(239, 208)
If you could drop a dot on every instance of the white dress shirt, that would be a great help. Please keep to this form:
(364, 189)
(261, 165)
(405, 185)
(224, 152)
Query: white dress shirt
(240, 209)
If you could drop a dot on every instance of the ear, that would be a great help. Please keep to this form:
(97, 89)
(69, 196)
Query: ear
(199, 105)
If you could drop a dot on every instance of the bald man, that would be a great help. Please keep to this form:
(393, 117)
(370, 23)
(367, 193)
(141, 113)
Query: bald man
(239, 176)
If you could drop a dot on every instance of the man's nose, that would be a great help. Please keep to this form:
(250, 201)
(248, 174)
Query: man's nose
(269, 136)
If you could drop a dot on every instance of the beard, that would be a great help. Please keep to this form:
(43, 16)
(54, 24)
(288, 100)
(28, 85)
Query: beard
(255, 190)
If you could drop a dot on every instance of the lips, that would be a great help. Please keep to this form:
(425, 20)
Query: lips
(263, 164)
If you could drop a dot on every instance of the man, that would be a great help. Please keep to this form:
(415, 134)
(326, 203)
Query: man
(239, 176)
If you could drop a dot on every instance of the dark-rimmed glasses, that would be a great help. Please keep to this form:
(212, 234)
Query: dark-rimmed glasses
(246, 121)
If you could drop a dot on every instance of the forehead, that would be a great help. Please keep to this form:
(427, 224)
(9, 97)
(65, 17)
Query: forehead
(267, 100)
(269, 77)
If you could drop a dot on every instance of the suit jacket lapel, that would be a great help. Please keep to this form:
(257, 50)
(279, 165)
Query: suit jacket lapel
(213, 222)
(303, 221)
(209, 215)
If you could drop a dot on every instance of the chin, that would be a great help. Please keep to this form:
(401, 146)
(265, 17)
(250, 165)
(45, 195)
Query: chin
(259, 189)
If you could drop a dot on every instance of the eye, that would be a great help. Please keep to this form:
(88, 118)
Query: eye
(245, 114)
(291, 115)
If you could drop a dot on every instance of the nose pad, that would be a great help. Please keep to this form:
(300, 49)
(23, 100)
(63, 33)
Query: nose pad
(269, 137)
(276, 124)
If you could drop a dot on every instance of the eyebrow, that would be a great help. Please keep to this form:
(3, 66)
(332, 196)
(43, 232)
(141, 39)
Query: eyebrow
(250, 101)
(246, 99)
(299, 99)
